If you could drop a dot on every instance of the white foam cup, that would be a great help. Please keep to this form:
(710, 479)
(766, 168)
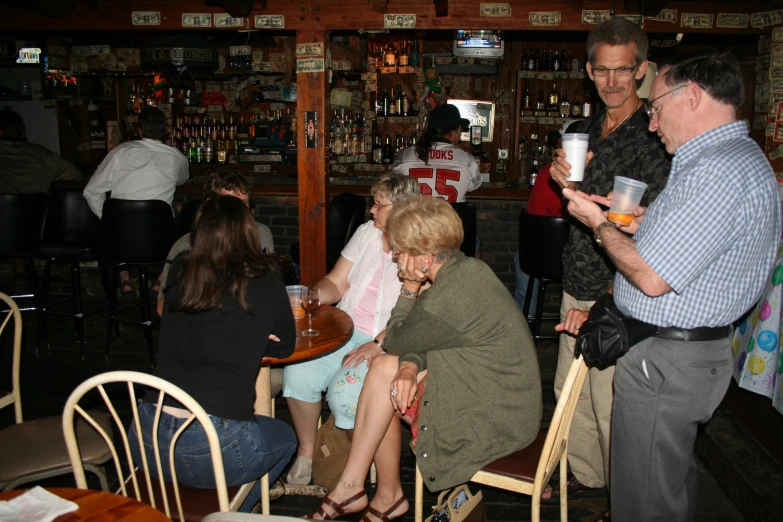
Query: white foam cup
(295, 297)
(626, 196)
(575, 148)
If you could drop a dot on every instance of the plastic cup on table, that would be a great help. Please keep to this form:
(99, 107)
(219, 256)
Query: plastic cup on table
(295, 297)
(626, 196)
(575, 148)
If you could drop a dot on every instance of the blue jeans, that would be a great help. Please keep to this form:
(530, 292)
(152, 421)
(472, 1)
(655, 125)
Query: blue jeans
(521, 287)
(250, 449)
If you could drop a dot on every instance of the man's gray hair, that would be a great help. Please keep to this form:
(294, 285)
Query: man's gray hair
(396, 187)
(617, 31)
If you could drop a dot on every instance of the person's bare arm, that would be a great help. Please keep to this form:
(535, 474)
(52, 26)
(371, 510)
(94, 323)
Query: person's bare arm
(335, 284)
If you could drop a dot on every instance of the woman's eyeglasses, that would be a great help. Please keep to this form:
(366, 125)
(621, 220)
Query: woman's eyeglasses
(378, 206)
(620, 72)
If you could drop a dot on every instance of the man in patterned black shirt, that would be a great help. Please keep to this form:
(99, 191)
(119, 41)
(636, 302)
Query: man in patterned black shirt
(619, 145)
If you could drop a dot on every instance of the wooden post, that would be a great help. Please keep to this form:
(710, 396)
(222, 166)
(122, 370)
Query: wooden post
(312, 165)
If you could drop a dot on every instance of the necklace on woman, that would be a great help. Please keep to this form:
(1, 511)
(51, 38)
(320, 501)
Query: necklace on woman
(606, 131)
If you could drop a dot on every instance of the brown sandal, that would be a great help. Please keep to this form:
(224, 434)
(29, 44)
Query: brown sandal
(383, 516)
(337, 508)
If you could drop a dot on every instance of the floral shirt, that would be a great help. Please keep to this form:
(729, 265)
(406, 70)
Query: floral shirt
(630, 151)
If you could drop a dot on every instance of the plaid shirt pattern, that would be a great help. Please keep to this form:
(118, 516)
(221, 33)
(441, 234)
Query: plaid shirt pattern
(711, 234)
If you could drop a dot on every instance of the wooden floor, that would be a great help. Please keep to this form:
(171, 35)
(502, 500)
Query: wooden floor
(47, 381)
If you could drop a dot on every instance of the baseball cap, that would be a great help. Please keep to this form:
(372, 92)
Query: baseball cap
(447, 116)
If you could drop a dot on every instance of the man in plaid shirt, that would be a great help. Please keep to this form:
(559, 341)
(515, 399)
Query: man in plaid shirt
(692, 263)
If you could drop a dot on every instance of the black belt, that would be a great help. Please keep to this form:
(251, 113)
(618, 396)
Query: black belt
(694, 334)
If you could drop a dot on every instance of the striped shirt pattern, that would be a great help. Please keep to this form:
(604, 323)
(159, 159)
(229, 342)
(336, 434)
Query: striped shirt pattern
(711, 234)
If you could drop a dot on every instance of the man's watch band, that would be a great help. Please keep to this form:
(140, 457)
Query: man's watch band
(600, 228)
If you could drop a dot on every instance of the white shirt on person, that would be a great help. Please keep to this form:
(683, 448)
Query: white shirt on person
(365, 251)
(450, 172)
(137, 170)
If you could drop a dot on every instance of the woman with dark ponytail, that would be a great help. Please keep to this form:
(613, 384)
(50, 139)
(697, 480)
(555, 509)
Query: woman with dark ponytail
(442, 168)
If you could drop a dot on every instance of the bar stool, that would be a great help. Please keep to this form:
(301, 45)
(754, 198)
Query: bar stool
(346, 213)
(541, 243)
(187, 215)
(70, 236)
(467, 213)
(21, 216)
(135, 234)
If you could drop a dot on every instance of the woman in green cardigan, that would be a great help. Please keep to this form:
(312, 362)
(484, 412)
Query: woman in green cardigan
(460, 367)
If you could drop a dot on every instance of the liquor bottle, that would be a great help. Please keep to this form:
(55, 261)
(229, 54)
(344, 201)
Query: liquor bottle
(569, 62)
(524, 59)
(232, 129)
(389, 56)
(388, 152)
(587, 106)
(538, 60)
(531, 61)
(576, 65)
(556, 61)
(398, 101)
(534, 165)
(540, 105)
(184, 144)
(386, 103)
(251, 129)
(565, 105)
(415, 56)
(130, 103)
(377, 150)
(550, 61)
(209, 151)
(337, 149)
(220, 151)
(200, 151)
(404, 58)
(242, 130)
(564, 65)
(392, 104)
(554, 99)
(526, 99)
(522, 151)
(576, 107)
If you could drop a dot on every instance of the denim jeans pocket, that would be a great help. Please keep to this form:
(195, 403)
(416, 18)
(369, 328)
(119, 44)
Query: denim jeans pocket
(200, 472)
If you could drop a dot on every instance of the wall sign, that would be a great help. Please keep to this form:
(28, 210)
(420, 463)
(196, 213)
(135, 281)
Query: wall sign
(737, 20)
(311, 65)
(666, 15)
(496, 10)
(311, 129)
(399, 21)
(309, 49)
(480, 113)
(766, 18)
(226, 20)
(696, 21)
(270, 21)
(145, 18)
(545, 18)
(196, 20)
(595, 16)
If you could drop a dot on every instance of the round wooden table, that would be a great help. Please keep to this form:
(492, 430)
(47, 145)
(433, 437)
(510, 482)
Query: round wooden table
(100, 505)
(336, 328)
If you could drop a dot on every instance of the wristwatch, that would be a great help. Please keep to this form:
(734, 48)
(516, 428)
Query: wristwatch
(380, 344)
(600, 228)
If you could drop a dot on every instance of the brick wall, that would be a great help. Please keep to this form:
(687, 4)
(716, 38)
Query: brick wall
(498, 230)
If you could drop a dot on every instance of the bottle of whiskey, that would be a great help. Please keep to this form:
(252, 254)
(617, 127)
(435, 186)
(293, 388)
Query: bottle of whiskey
(389, 56)
(386, 103)
(388, 152)
(398, 101)
(565, 105)
(556, 61)
(554, 99)
(540, 105)
(392, 104)
(576, 107)
(377, 151)
(587, 106)
(526, 99)
(405, 55)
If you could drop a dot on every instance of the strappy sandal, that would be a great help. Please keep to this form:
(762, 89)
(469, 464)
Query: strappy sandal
(337, 508)
(382, 516)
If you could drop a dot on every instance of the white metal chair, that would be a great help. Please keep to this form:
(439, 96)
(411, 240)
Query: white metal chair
(528, 470)
(198, 502)
(35, 450)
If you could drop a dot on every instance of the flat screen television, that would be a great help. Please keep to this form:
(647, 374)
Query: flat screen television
(482, 43)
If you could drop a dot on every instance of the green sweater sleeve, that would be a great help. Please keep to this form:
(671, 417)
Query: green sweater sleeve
(413, 330)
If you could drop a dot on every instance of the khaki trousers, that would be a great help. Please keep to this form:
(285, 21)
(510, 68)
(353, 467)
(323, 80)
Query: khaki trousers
(588, 442)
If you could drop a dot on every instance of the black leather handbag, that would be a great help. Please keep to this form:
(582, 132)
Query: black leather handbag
(607, 334)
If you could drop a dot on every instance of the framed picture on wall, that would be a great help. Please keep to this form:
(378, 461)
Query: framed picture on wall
(480, 113)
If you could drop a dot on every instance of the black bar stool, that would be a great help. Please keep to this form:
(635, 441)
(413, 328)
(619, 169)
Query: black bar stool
(347, 212)
(467, 213)
(70, 236)
(187, 215)
(21, 216)
(541, 243)
(135, 234)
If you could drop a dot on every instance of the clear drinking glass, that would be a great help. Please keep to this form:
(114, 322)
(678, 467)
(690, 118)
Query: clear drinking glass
(311, 299)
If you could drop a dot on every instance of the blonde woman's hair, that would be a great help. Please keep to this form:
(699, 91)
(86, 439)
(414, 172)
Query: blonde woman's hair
(425, 225)
(396, 187)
